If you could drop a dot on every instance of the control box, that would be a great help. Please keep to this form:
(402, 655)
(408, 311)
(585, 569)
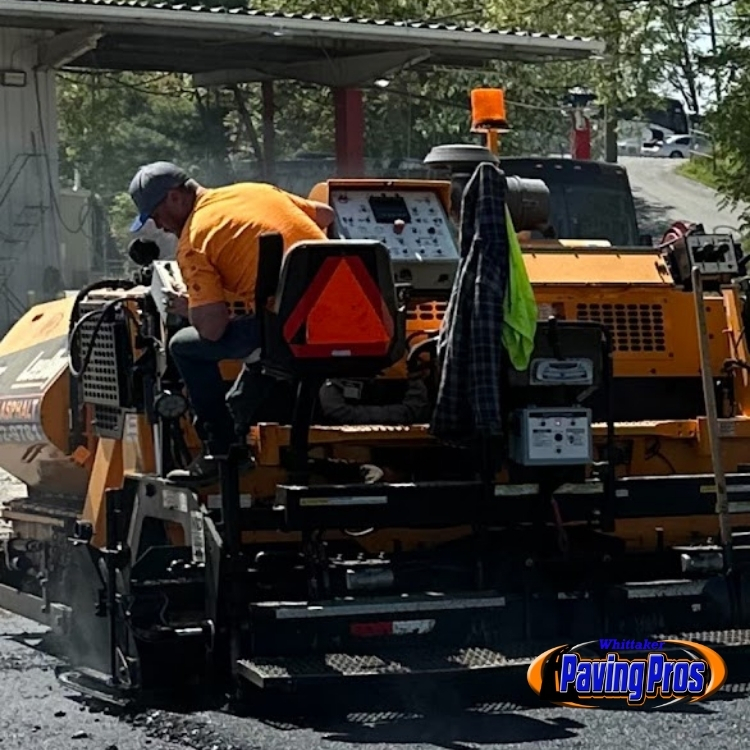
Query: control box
(411, 223)
(552, 436)
(714, 254)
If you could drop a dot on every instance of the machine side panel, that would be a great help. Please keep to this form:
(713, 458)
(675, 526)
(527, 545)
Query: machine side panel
(34, 401)
(107, 473)
(596, 267)
(41, 323)
(653, 334)
(739, 349)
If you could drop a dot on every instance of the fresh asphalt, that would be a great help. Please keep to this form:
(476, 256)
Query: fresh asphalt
(37, 713)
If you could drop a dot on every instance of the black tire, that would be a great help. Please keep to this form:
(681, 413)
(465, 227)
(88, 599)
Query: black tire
(676, 155)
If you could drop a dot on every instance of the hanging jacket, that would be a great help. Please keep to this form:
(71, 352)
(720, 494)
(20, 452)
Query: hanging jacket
(474, 332)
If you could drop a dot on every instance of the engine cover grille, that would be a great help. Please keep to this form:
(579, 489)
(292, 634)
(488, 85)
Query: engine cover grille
(635, 327)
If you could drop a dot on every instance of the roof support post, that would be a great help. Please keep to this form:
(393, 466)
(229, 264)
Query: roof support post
(269, 131)
(349, 117)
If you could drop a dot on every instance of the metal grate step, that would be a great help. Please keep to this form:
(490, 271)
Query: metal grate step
(284, 672)
(719, 639)
(291, 670)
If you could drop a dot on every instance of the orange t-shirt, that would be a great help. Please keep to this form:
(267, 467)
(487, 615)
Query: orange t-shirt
(218, 249)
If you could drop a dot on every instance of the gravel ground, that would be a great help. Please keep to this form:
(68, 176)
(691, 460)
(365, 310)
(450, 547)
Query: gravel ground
(36, 713)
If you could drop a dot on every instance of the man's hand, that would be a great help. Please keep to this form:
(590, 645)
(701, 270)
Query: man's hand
(177, 303)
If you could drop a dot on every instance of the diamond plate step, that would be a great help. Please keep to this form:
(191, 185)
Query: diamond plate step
(292, 670)
(716, 639)
(285, 672)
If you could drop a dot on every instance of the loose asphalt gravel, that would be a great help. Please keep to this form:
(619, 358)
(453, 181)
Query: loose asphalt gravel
(37, 713)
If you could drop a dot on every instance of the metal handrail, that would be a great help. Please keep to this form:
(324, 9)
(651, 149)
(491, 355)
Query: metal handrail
(25, 158)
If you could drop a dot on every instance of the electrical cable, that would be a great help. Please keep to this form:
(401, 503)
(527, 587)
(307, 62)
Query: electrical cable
(77, 320)
(655, 452)
(54, 204)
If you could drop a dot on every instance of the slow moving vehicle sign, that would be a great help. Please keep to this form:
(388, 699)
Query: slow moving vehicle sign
(636, 673)
(322, 326)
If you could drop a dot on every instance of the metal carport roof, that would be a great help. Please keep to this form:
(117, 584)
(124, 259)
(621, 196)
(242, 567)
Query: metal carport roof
(221, 45)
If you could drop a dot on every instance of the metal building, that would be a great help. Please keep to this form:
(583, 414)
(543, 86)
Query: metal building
(29, 204)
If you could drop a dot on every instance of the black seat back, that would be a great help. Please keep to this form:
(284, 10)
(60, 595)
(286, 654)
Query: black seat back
(270, 255)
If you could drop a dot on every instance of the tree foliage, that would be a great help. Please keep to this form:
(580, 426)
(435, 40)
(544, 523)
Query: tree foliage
(727, 122)
(110, 123)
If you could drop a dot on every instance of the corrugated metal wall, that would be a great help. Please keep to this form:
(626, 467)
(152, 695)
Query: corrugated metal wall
(29, 228)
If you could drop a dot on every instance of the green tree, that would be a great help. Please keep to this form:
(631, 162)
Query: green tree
(111, 123)
(727, 120)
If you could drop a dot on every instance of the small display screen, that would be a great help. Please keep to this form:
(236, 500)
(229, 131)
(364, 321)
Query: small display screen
(387, 209)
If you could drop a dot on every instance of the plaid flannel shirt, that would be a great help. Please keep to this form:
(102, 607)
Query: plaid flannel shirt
(470, 343)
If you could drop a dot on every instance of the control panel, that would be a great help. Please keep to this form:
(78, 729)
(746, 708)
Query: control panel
(412, 224)
(714, 254)
(551, 436)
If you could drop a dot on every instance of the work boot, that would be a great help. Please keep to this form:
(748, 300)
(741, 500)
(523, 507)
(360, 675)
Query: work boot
(204, 471)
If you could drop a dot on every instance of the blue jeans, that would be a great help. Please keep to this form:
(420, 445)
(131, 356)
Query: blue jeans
(197, 360)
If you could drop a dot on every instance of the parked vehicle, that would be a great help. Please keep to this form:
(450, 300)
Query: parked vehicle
(634, 135)
(672, 147)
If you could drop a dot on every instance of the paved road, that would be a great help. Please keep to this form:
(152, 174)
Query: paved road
(36, 714)
(663, 197)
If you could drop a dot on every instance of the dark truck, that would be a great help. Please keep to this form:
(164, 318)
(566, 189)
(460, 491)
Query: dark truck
(589, 200)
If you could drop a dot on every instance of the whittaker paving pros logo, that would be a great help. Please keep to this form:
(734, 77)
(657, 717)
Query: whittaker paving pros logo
(638, 673)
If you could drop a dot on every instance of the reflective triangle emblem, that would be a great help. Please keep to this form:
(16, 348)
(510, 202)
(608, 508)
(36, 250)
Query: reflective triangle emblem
(342, 314)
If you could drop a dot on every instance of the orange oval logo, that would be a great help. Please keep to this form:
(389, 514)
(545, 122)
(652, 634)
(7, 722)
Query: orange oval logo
(636, 674)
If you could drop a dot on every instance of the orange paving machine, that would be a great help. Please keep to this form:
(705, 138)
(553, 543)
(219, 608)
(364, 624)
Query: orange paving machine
(359, 546)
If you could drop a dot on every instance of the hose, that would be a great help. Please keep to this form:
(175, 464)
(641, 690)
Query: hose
(102, 316)
(101, 284)
(76, 321)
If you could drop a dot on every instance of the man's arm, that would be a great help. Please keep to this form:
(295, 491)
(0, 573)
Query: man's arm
(207, 309)
(321, 213)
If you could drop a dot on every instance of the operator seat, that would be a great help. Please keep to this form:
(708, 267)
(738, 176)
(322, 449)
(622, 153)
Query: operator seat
(335, 313)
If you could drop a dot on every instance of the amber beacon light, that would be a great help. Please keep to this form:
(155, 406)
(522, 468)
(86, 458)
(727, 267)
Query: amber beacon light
(488, 115)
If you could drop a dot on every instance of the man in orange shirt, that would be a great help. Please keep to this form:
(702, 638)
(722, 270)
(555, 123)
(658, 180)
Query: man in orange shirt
(217, 252)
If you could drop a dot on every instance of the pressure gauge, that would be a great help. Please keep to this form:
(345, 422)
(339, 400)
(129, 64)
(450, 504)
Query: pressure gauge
(170, 405)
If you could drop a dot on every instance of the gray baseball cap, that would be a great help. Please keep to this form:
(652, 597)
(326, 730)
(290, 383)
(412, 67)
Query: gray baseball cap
(150, 186)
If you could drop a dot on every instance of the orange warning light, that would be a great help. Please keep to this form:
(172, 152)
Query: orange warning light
(342, 314)
(488, 111)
